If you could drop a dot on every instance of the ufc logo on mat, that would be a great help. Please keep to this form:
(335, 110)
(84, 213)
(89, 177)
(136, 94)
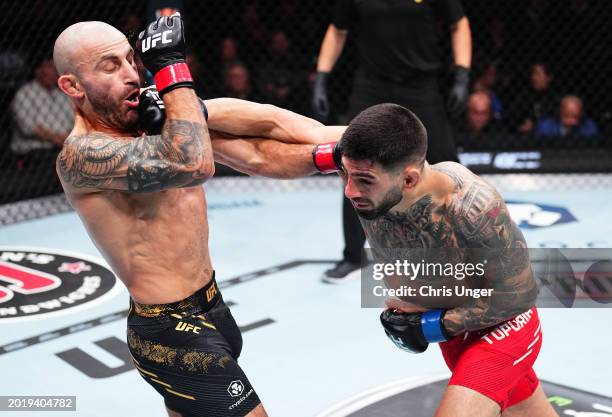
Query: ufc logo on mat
(151, 41)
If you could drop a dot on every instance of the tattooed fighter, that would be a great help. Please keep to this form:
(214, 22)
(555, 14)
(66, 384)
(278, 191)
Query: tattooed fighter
(141, 200)
(489, 343)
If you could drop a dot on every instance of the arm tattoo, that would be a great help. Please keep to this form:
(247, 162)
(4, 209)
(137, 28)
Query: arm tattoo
(421, 226)
(143, 164)
(164, 161)
(482, 221)
(87, 161)
(475, 218)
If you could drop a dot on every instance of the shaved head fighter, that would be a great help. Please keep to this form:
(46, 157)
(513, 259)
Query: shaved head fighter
(140, 198)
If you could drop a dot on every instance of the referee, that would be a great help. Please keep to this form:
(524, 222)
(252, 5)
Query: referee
(400, 57)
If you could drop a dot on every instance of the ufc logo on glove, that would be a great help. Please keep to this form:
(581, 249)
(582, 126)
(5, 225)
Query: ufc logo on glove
(151, 41)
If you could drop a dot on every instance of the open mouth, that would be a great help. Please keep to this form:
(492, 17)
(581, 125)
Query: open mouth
(359, 205)
(132, 100)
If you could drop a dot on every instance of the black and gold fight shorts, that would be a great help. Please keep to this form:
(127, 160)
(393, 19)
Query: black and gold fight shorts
(188, 352)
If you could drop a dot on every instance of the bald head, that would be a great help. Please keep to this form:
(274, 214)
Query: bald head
(479, 101)
(571, 111)
(75, 44)
(571, 101)
(479, 111)
(98, 72)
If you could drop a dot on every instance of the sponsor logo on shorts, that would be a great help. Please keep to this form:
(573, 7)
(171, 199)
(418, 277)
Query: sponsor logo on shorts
(235, 388)
(241, 400)
(503, 330)
(37, 283)
(186, 327)
(210, 293)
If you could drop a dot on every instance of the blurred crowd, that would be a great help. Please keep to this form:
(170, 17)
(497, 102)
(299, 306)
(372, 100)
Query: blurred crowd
(541, 68)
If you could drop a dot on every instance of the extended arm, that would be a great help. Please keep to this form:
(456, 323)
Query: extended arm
(245, 118)
(259, 139)
(273, 158)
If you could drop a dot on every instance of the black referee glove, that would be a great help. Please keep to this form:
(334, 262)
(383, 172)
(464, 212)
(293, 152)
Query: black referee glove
(458, 96)
(320, 101)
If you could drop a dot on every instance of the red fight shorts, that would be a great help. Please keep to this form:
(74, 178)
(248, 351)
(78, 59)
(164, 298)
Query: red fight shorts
(498, 361)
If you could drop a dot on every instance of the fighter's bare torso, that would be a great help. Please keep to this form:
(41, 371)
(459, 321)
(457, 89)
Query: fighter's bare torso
(471, 215)
(157, 243)
(142, 202)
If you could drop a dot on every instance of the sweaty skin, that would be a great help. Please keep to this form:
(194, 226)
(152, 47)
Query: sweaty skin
(454, 208)
(139, 197)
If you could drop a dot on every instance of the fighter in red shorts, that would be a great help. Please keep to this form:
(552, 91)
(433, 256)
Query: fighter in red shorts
(490, 343)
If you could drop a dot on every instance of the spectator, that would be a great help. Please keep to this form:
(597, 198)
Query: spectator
(13, 73)
(237, 82)
(539, 101)
(228, 52)
(570, 123)
(42, 119)
(479, 112)
(282, 74)
(479, 119)
(487, 82)
(42, 114)
(209, 74)
(280, 48)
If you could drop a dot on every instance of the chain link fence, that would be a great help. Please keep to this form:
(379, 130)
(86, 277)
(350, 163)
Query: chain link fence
(533, 60)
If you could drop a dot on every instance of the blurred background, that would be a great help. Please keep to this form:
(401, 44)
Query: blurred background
(535, 62)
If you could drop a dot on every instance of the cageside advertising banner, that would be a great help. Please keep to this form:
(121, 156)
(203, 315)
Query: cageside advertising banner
(499, 279)
(538, 160)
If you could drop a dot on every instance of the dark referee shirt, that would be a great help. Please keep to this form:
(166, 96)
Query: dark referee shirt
(397, 38)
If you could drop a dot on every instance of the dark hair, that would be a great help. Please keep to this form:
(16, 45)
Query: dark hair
(386, 133)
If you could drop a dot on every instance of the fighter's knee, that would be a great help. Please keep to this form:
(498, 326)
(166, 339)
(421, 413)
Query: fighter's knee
(258, 412)
(172, 413)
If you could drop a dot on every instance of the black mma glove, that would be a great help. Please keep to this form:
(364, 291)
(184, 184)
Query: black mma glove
(458, 96)
(152, 113)
(412, 332)
(162, 49)
(320, 102)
